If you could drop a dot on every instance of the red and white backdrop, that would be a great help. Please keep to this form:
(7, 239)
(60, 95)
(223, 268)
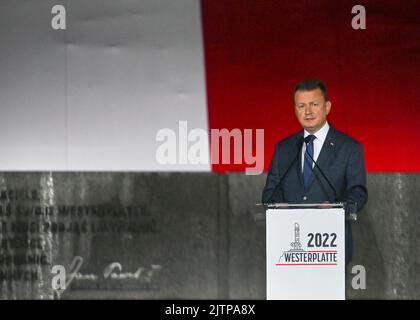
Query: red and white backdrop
(81, 109)
(94, 96)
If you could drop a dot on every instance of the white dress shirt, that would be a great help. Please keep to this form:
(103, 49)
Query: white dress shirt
(320, 136)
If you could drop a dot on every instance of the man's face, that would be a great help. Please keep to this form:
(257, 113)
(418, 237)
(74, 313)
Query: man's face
(311, 109)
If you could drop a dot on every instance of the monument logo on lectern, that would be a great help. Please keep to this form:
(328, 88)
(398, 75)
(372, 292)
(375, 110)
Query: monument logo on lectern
(320, 250)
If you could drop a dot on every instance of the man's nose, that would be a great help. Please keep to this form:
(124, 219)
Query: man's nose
(308, 110)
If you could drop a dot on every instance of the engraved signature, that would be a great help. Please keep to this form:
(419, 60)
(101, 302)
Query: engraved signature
(113, 271)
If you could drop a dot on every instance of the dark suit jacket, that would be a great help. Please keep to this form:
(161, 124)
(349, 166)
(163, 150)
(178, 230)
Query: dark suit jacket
(342, 161)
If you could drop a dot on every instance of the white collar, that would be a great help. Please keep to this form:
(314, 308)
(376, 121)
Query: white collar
(321, 134)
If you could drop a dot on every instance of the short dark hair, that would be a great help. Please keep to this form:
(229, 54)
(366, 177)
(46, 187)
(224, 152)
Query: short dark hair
(311, 84)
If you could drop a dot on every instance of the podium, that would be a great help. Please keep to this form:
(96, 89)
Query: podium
(305, 246)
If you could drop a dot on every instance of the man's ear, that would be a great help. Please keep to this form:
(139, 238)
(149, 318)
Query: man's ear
(328, 103)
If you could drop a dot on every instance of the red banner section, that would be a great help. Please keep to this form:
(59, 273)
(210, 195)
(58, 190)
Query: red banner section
(256, 51)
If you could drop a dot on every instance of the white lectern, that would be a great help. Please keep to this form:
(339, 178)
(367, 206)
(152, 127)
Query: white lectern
(305, 251)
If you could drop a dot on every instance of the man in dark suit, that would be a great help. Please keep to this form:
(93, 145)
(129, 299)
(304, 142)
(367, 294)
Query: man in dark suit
(294, 178)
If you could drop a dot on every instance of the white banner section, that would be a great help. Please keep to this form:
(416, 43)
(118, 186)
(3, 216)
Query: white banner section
(97, 94)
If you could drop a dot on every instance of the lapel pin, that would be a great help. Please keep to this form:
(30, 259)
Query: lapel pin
(331, 143)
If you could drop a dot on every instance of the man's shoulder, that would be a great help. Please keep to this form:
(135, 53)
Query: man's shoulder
(293, 140)
(345, 138)
(290, 141)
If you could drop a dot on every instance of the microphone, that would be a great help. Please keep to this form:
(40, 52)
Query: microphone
(300, 143)
(320, 170)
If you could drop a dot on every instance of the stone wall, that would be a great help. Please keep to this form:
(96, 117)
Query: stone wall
(179, 236)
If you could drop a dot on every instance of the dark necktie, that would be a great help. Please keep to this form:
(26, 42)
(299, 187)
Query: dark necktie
(307, 164)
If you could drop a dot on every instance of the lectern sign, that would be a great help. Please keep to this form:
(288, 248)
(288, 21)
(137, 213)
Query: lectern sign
(305, 253)
(298, 256)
